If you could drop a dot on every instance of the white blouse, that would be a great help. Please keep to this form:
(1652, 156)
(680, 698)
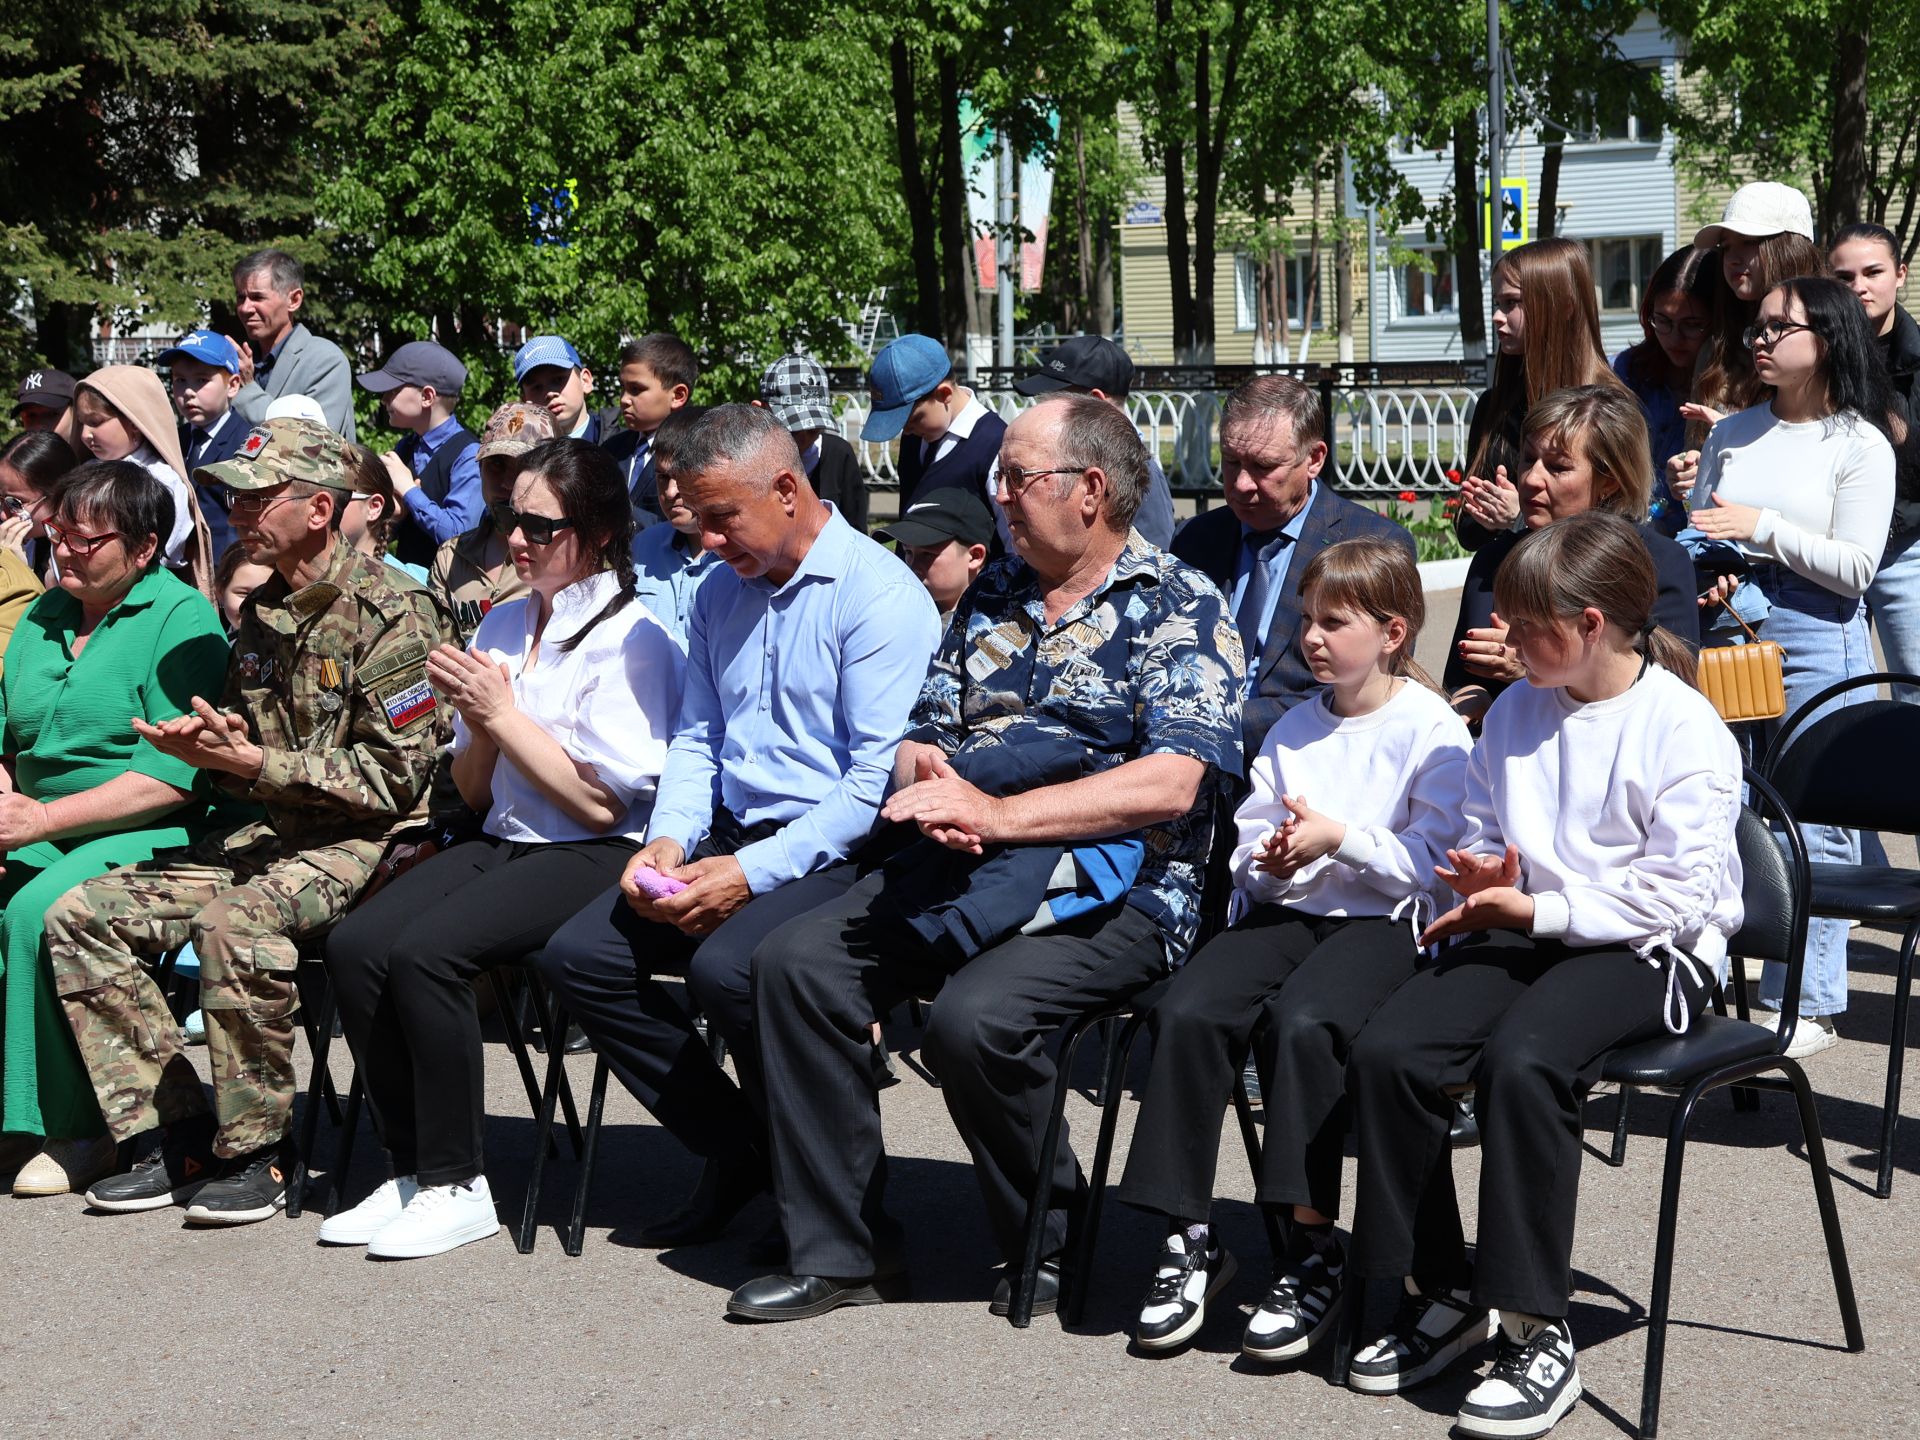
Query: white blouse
(611, 702)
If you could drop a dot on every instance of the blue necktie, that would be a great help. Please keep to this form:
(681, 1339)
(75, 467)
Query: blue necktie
(1261, 546)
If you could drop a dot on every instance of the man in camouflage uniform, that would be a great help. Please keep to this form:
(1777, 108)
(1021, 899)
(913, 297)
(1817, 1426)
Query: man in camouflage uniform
(328, 723)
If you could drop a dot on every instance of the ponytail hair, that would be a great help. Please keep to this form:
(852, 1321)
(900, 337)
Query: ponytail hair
(586, 480)
(1374, 576)
(1596, 560)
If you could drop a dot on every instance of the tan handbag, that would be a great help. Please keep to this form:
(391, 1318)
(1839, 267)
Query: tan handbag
(1745, 682)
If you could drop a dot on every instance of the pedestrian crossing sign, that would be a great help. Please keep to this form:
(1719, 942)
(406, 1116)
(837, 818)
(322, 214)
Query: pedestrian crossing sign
(1513, 213)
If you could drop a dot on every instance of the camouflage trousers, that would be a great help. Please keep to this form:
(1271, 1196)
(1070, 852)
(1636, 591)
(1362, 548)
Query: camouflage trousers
(244, 914)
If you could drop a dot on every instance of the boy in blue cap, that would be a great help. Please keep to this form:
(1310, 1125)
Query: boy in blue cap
(436, 467)
(203, 377)
(950, 437)
(550, 374)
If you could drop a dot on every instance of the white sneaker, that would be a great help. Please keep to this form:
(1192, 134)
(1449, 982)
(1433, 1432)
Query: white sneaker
(1813, 1034)
(372, 1215)
(1533, 1381)
(438, 1218)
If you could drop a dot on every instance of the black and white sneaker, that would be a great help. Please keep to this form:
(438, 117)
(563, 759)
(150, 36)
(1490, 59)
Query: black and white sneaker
(249, 1188)
(1298, 1309)
(1427, 1334)
(1176, 1303)
(171, 1173)
(1533, 1382)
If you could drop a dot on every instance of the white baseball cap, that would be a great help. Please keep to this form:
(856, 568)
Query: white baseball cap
(1756, 211)
(294, 407)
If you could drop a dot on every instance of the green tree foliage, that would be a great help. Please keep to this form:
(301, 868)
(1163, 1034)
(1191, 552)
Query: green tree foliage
(144, 145)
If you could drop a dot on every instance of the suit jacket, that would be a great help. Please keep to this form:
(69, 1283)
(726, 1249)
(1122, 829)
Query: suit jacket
(838, 478)
(644, 491)
(307, 365)
(213, 500)
(1211, 543)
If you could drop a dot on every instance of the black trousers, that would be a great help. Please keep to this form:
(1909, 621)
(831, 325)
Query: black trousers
(402, 966)
(601, 964)
(1527, 1021)
(1296, 988)
(819, 982)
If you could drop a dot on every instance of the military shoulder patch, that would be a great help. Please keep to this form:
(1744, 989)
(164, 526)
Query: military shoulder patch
(407, 699)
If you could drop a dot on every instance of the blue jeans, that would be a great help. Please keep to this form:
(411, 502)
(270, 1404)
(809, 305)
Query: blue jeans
(1825, 639)
(1894, 600)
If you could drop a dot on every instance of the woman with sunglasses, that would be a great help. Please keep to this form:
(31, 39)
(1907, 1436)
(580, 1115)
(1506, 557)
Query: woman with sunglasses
(563, 707)
(80, 794)
(31, 464)
(1676, 309)
(1802, 485)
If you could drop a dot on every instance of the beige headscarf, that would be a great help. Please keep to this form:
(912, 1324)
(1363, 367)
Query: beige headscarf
(137, 394)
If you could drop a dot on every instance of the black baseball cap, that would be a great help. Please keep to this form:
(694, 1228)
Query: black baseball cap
(1086, 362)
(49, 389)
(418, 362)
(949, 513)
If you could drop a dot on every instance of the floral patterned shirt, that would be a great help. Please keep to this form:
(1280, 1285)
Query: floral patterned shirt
(1148, 664)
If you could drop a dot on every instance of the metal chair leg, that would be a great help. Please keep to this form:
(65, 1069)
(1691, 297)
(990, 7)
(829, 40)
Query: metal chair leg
(1080, 1266)
(542, 1139)
(319, 1044)
(1250, 1139)
(1816, 1147)
(549, 1015)
(1617, 1156)
(1896, 1061)
(1655, 1366)
(517, 1043)
(583, 1187)
(334, 1187)
(1039, 1201)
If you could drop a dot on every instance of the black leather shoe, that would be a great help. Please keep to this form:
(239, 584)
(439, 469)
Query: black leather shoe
(1046, 1289)
(801, 1297)
(723, 1192)
(1465, 1131)
(769, 1248)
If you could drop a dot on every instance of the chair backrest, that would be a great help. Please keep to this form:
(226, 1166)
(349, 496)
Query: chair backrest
(1776, 883)
(1852, 766)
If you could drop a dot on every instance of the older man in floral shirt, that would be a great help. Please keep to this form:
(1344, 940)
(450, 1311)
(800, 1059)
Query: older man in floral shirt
(1097, 681)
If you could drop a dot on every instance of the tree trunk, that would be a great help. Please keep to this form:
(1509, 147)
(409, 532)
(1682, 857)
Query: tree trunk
(1103, 312)
(1547, 215)
(1312, 297)
(1343, 273)
(922, 221)
(1173, 207)
(955, 235)
(1083, 293)
(1848, 186)
(1206, 204)
(1468, 293)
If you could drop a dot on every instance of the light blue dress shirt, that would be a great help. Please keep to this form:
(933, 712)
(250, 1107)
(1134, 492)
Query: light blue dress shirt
(669, 569)
(1276, 570)
(459, 512)
(796, 698)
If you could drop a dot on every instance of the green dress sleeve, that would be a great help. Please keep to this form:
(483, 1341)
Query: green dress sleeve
(189, 658)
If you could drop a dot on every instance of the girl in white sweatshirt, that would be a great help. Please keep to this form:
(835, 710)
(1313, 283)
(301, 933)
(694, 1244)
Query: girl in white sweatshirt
(1598, 884)
(1355, 796)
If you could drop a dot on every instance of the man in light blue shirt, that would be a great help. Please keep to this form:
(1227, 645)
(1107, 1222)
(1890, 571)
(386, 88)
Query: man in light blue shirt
(669, 562)
(806, 649)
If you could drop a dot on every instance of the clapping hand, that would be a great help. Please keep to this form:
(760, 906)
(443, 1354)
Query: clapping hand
(1484, 651)
(206, 738)
(1494, 503)
(477, 687)
(1726, 520)
(1489, 885)
(1304, 837)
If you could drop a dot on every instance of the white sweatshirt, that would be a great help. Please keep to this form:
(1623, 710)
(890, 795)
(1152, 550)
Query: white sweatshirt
(1396, 778)
(173, 552)
(1623, 811)
(1824, 489)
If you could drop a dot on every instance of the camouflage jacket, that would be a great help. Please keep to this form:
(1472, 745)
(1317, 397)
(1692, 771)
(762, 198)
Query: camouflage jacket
(333, 681)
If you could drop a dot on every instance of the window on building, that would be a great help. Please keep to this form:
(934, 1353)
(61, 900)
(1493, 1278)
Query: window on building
(1246, 291)
(1425, 288)
(1622, 267)
(1616, 120)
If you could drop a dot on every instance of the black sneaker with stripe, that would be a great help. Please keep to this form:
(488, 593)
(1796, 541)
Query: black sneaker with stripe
(1532, 1383)
(1427, 1334)
(1298, 1309)
(171, 1173)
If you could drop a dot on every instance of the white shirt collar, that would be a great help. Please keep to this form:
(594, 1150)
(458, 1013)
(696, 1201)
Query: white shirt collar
(577, 604)
(962, 424)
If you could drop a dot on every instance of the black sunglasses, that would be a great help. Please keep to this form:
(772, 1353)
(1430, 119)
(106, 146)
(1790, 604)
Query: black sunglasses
(539, 529)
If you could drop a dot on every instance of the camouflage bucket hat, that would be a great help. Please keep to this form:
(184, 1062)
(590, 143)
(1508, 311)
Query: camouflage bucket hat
(515, 429)
(280, 451)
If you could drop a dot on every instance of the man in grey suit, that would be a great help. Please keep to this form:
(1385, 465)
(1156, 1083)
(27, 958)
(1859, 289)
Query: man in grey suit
(284, 357)
(1278, 516)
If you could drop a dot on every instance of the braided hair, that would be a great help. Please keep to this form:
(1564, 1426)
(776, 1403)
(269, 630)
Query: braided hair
(587, 482)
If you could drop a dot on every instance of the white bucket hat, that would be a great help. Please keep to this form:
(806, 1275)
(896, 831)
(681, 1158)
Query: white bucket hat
(1763, 208)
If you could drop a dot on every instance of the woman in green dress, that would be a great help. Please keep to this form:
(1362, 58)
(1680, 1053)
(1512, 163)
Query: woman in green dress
(79, 793)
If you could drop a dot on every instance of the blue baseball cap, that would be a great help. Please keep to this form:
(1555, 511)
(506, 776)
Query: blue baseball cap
(544, 350)
(209, 347)
(904, 371)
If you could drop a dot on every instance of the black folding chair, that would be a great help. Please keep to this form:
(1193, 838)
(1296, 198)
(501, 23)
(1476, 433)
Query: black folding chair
(1718, 1051)
(1854, 768)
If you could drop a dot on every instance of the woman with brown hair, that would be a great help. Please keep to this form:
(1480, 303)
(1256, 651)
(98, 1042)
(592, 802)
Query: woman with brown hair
(1585, 449)
(1546, 322)
(1676, 315)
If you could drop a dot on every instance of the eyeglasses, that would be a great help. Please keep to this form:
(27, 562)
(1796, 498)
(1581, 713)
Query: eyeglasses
(539, 529)
(75, 542)
(11, 505)
(1769, 333)
(255, 502)
(1013, 481)
(1667, 325)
